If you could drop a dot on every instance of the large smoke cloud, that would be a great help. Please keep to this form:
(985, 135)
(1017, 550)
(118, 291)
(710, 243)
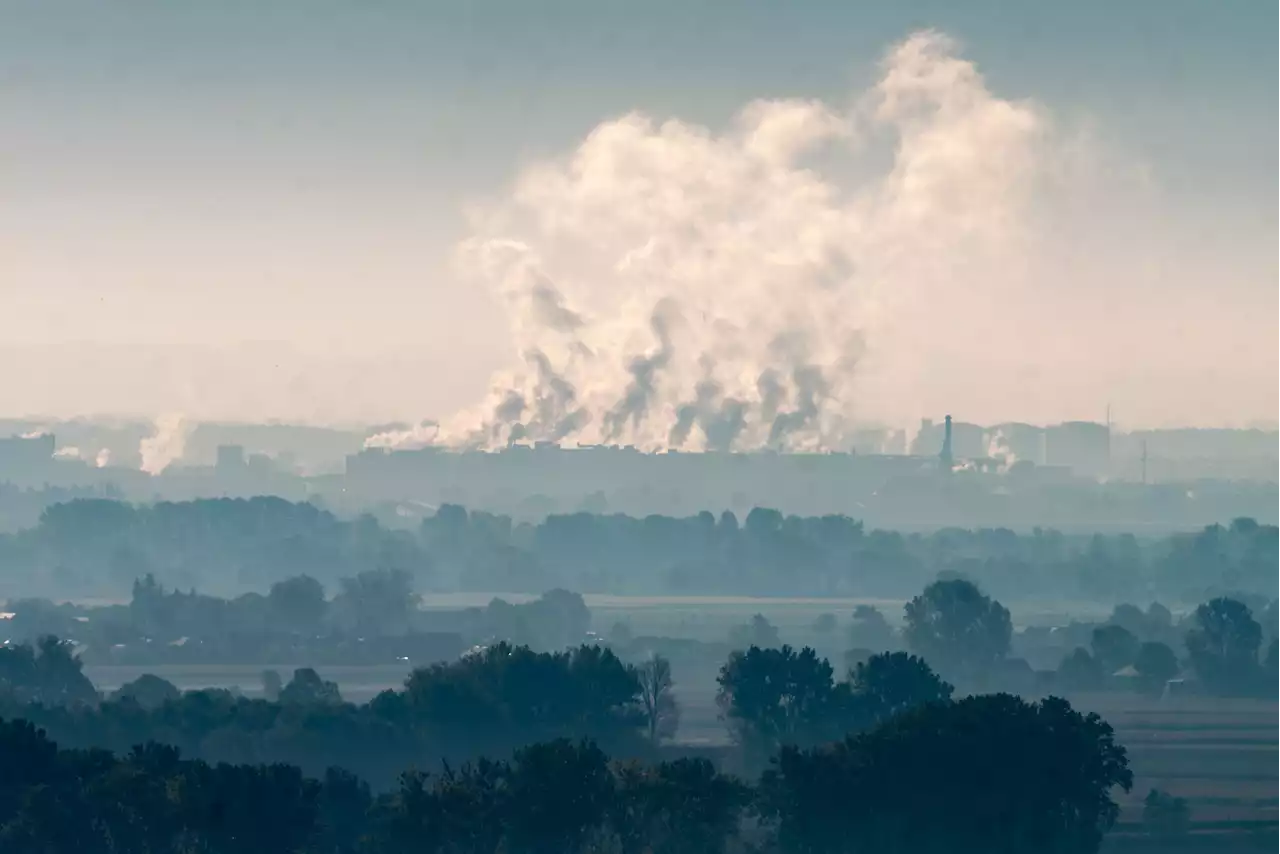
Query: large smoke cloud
(669, 286)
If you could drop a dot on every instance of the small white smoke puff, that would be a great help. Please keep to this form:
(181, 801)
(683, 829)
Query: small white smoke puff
(672, 287)
(166, 445)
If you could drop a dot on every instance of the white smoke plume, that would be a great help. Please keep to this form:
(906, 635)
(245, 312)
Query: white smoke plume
(103, 458)
(69, 452)
(673, 287)
(999, 449)
(165, 446)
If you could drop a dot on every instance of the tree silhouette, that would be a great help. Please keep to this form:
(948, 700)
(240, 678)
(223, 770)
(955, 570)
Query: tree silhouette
(680, 807)
(771, 697)
(989, 773)
(1223, 646)
(1165, 815)
(1114, 647)
(306, 688)
(148, 691)
(557, 793)
(297, 604)
(893, 682)
(1156, 665)
(662, 715)
(958, 629)
(1080, 671)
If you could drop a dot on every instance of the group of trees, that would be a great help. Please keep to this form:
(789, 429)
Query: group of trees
(489, 702)
(776, 697)
(373, 618)
(768, 553)
(988, 773)
(1223, 644)
(98, 546)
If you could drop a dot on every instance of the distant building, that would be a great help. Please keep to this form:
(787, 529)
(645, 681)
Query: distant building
(878, 440)
(230, 458)
(1082, 446)
(26, 458)
(967, 440)
(1016, 443)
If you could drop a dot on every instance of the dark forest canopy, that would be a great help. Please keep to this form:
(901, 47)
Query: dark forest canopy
(939, 776)
(99, 547)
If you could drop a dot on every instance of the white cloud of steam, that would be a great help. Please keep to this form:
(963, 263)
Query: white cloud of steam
(166, 445)
(669, 286)
(999, 448)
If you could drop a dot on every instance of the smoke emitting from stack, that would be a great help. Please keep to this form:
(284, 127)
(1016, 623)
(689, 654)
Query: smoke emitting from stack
(672, 287)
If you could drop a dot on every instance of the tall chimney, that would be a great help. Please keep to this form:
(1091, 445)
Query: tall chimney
(945, 460)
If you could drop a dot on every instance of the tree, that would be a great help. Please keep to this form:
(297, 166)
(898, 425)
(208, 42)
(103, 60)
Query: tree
(870, 630)
(558, 619)
(893, 682)
(1114, 647)
(557, 793)
(48, 673)
(1079, 671)
(771, 697)
(297, 604)
(148, 691)
(506, 696)
(759, 632)
(680, 807)
(1165, 815)
(1156, 665)
(1159, 618)
(824, 624)
(306, 688)
(957, 629)
(376, 602)
(1131, 618)
(1223, 647)
(662, 715)
(271, 685)
(1018, 777)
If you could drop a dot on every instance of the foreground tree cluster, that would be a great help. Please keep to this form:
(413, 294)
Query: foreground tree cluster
(988, 773)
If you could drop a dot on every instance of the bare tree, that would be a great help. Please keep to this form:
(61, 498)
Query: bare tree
(661, 711)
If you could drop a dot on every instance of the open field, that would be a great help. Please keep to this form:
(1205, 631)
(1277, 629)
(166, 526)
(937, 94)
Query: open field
(1221, 755)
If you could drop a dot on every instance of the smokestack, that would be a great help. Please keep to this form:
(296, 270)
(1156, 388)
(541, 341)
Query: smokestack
(945, 460)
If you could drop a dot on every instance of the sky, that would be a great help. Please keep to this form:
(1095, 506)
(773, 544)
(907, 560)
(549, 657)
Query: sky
(256, 210)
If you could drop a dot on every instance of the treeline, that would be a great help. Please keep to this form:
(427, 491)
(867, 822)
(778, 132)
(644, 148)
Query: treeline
(988, 773)
(1225, 647)
(502, 696)
(373, 618)
(487, 703)
(1219, 650)
(98, 547)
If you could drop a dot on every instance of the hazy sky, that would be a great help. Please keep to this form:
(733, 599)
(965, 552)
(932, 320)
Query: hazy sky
(249, 209)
